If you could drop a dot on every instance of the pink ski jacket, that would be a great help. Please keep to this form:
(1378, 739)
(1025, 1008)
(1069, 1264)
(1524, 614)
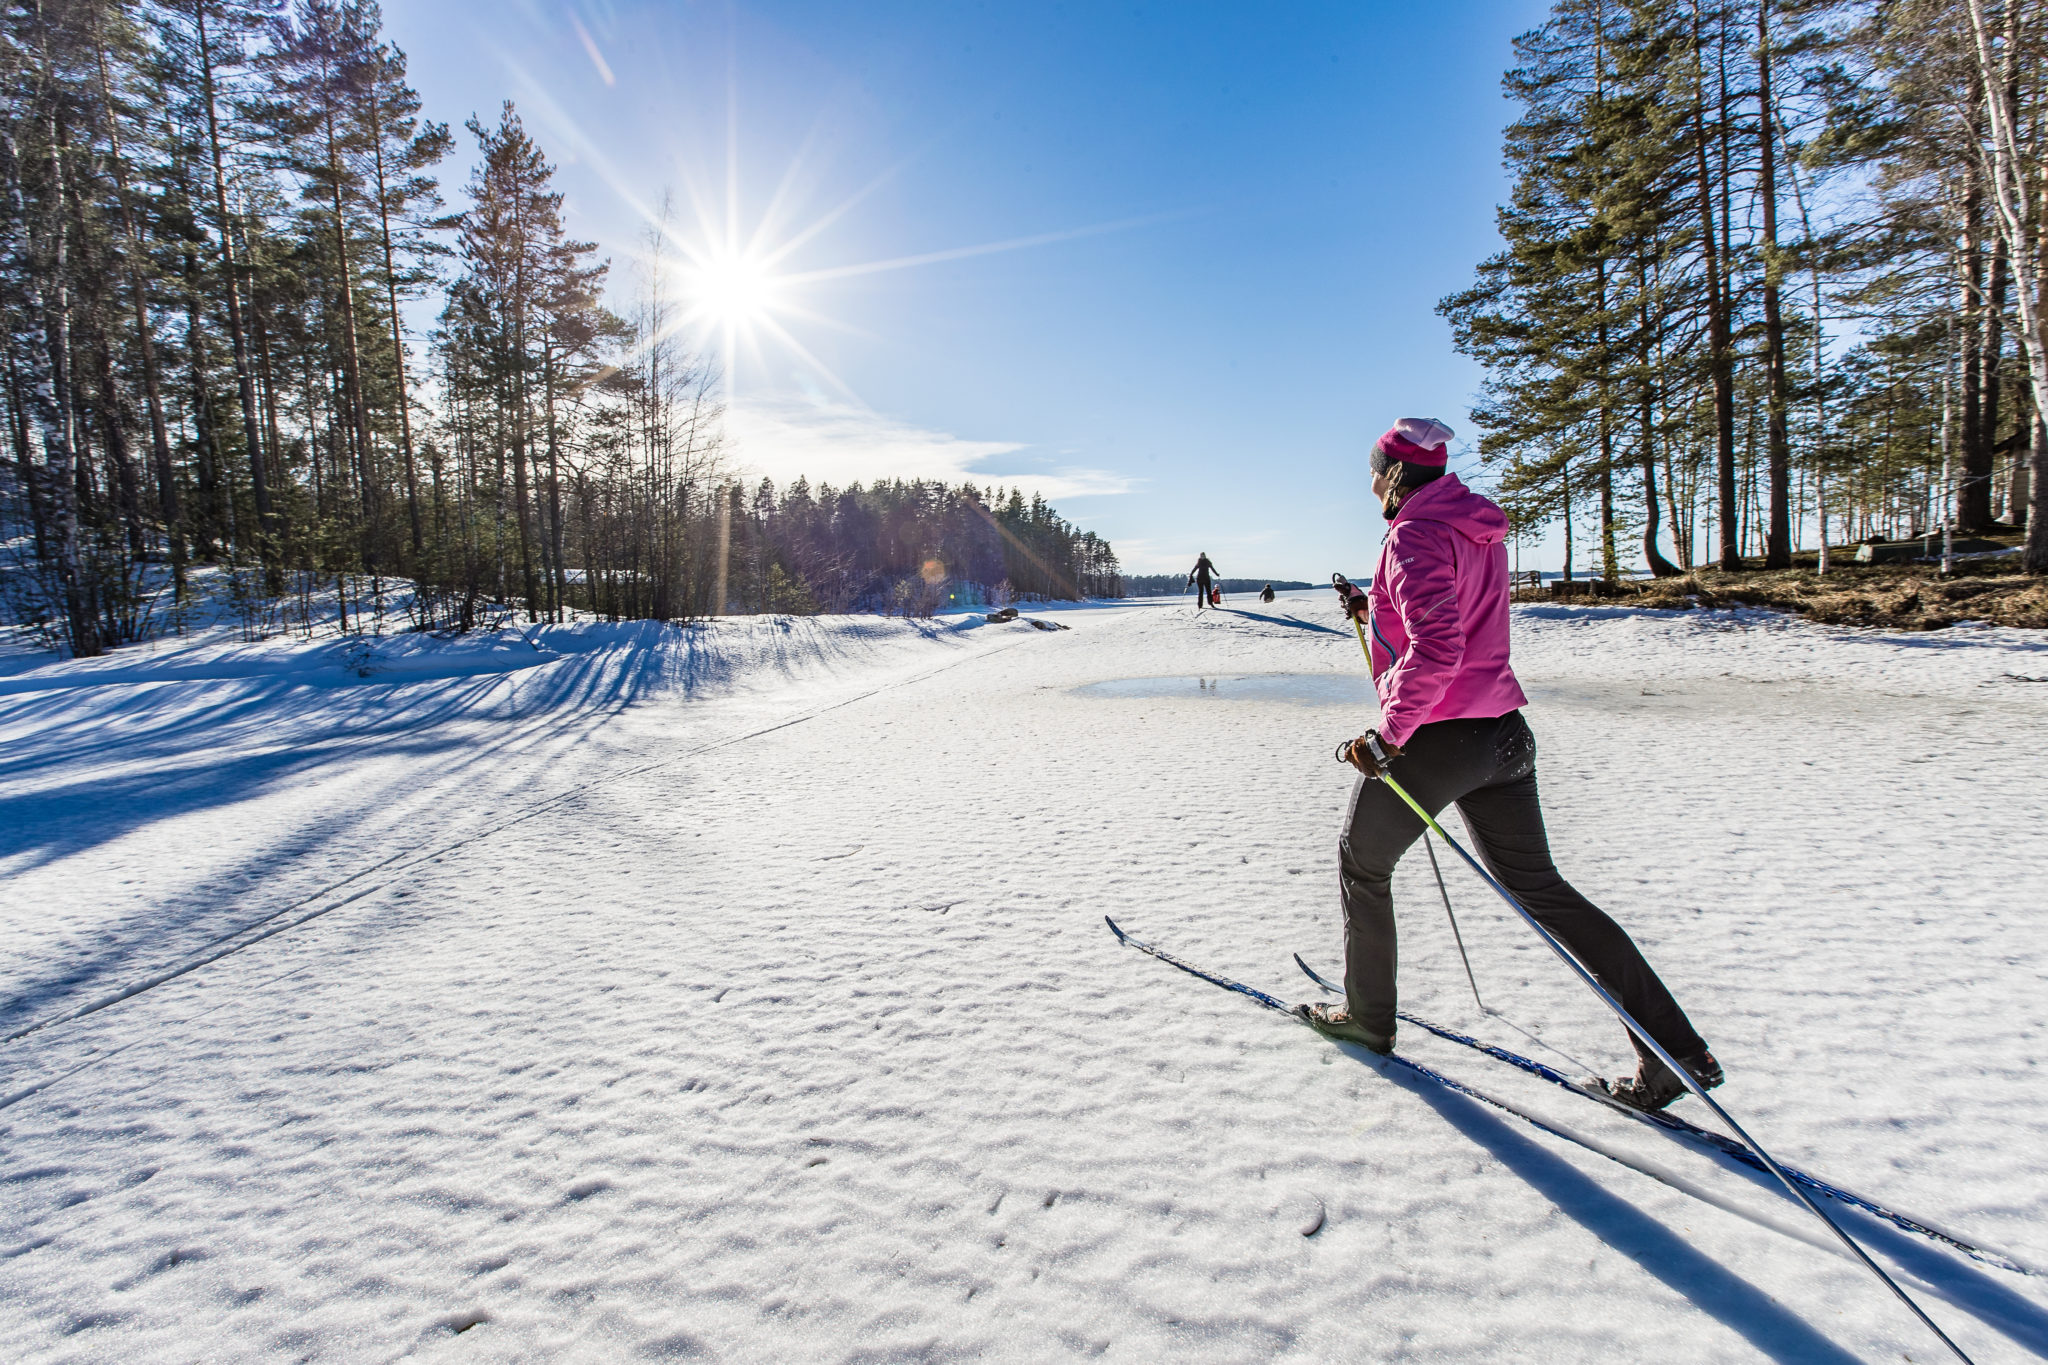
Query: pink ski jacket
(1439, 618)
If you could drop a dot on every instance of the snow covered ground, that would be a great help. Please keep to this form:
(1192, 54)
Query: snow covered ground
(743, 994)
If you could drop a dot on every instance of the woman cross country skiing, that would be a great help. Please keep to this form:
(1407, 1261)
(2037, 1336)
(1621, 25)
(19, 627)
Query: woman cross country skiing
(1453, 733)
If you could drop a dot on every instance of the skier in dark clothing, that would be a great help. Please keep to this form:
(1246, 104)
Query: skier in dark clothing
(1452, 733)
(1266, 594)
(1200, 576)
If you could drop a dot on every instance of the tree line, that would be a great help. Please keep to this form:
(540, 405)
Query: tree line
(1772, 277)
(216, 217)
(907, 547)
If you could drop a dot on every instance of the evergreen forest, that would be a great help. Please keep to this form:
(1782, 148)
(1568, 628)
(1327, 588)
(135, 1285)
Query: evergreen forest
(217, 218)
(1772, 278)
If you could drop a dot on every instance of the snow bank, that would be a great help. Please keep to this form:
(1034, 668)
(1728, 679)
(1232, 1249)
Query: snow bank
(1757, 645)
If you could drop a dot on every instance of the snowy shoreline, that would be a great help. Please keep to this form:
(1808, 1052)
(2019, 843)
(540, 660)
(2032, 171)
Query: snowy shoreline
(742, 993)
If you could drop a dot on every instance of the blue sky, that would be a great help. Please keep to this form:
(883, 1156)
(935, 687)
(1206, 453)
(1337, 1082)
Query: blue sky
(1237, 221)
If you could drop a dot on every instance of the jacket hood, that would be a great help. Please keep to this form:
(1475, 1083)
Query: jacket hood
(1448, 500)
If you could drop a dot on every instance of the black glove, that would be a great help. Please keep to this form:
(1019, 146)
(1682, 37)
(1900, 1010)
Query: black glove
(1369, 754)
(1350, 596)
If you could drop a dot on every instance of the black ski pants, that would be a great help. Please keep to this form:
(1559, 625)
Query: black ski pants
(1488, 768)
(1201, 591)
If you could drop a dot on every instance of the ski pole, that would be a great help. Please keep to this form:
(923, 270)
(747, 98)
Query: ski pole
(1628, 1020)
(1691, 1083)
(1456, 937)
(1459, 939)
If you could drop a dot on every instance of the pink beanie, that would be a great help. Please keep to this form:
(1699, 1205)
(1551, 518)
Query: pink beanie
(1416, 440)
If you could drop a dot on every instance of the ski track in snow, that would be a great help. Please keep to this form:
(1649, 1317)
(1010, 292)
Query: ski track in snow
(814, 1043)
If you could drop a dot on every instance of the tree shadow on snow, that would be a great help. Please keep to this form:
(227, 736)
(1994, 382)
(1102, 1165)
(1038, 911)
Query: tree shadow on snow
(171, 755)
(172, 751)
(188, 763)
(178, 747)
(1711, 1287)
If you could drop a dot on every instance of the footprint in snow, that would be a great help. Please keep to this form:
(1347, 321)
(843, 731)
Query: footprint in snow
(455, 1324)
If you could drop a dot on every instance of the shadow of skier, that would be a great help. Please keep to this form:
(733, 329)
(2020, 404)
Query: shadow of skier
(1744, 1307)
(1291, 622)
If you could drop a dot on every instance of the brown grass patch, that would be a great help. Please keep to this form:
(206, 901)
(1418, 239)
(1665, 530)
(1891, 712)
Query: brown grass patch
(1896, 596)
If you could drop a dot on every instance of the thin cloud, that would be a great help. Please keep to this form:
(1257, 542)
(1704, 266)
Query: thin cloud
(840, 443)
(597, 60)
(1238, 556)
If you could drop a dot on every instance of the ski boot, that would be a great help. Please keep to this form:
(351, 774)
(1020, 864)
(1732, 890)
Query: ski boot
(1334, 1021)
(1654, 1085)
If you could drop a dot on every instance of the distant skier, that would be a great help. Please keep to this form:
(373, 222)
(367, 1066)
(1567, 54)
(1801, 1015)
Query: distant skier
(1453, 732)
(1200, 576)
(1266, 594)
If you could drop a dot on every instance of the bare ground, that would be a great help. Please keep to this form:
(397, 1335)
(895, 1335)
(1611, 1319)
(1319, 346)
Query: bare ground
(1898, 596)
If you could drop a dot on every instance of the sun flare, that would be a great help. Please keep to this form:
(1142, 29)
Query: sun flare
(740, 295)
(733, 290)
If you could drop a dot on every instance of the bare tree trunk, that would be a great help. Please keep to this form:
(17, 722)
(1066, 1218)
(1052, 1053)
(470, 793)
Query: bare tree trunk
(17, 427)
(412, 486)
(1564, 479)
(1610, 567)
(1659, 566)
(152, 380)
(351, 361)
(1947, 447)
(2036, 556)
(112, 408)
(1970, 376)
(1721, 357)
(561, 583)
(267, 385)
(245, 378)
(718, 589)
(2011, 195)
(1651, 343)
(1681, 528)
(49, 391)
(522, 498)
(1778, 441)
(1979, 457)
(2019, 491)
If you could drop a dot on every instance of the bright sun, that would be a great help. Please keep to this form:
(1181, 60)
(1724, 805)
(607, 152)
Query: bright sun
(738, 291)
(733, 290)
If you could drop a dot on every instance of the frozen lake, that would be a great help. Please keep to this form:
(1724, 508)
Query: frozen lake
(743, 994)
(1302, 689)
